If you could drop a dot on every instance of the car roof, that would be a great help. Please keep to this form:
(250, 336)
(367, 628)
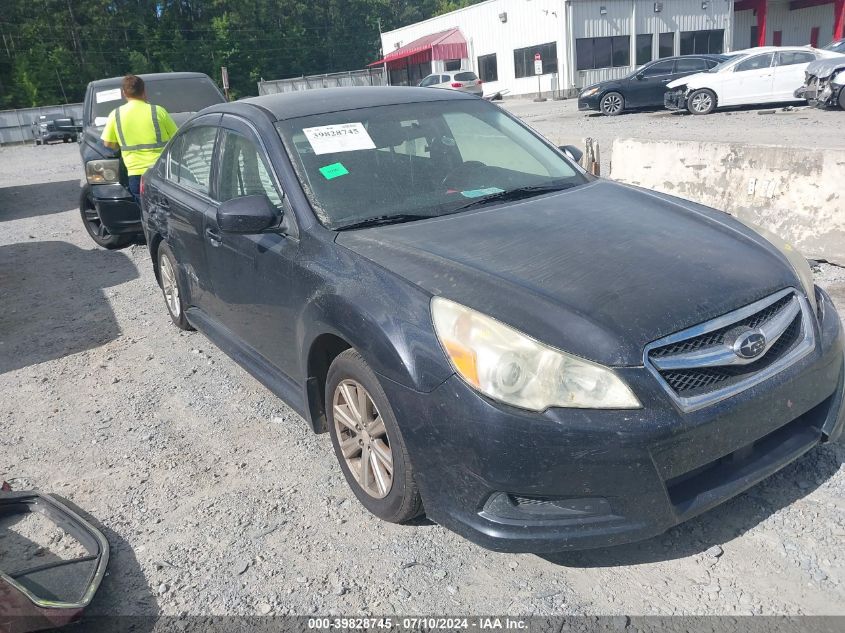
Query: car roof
(148, 77)
(291, 105)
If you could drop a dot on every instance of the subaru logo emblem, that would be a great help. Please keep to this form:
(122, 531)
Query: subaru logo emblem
(750, 345)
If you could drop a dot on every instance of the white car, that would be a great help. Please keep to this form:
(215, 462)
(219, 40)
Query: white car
(463, 80)
(767, 74)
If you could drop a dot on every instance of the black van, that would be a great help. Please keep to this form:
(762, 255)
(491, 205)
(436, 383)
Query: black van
(109, 212)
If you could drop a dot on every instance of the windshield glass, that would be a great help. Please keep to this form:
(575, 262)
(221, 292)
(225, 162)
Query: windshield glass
(174, 95)
(730, 59)
(402, 162)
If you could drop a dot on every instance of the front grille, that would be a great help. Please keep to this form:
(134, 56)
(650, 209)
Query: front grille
(699, 381)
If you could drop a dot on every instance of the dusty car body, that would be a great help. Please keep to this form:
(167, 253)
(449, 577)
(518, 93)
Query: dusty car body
(49, 593)
(109, 212)
(545, 360)
(824, 83)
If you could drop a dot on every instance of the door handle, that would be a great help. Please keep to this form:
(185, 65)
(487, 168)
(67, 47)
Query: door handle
(213, 237)
(164, 204)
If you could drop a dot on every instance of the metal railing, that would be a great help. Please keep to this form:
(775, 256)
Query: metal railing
(366, 77)
(16, 125)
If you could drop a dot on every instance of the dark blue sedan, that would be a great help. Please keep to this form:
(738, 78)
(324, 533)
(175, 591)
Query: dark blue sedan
(535, 358)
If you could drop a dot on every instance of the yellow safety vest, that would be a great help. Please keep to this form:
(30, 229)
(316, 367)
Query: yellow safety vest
(138, 133)
(141, 130)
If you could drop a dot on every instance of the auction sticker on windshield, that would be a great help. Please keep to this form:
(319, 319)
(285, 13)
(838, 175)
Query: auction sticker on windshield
(346, 137)
(109, 95)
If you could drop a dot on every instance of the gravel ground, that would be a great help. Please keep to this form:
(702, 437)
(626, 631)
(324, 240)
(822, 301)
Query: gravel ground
(217, 499)
(800, 126)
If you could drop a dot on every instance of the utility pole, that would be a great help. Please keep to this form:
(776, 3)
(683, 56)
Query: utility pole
(60, 84)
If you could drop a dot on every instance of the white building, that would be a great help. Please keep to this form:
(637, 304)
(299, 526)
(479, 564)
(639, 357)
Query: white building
(584, 41)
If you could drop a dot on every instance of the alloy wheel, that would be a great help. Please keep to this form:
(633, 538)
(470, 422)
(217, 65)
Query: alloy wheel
(92, 219)
(363, 439)
(612, 104)
(701, 102)
(170, 287)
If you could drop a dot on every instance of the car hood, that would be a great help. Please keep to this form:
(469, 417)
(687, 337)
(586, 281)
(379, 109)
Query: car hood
(603, 85)
(599, 270)
(693, 81)
(824, 68)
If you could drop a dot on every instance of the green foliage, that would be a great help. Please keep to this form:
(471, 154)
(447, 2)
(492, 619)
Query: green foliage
(51, 49)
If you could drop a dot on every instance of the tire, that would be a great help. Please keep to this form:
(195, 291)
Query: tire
(396, 501)
(842, 98)
(171, 287)
(612, 104)
(702, 101)
(98, 232)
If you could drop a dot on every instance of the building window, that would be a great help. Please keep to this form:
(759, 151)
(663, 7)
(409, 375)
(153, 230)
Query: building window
(488, 69)
(644, 48)
(666, 45)
(603, 52)
(701, 42)
(452, 64)
(523, 59)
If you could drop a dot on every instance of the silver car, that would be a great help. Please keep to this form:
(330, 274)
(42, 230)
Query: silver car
(463, 80)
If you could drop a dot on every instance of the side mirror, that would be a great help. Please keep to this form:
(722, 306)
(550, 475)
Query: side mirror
(248, 214)
(573, 152)
(640, 76)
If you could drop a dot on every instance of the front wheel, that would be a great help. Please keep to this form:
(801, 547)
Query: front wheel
(98, 232)
(612, 104)
(367, 441)
(842, 98)
(702, 101)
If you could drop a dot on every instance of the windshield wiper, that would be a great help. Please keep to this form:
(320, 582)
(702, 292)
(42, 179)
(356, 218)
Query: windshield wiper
(519, 193)
(382, 220)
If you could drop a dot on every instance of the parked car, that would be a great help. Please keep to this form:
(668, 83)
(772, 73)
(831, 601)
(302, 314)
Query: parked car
(54, 127)
(463, 80)
(643, 88)
(837, 46)
(538, 358)
(767, 74)
(824, 83)
(109, 212)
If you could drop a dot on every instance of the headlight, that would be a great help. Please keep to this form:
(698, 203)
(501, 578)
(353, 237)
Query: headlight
(513, 368)
(103, 172)
(796, 260)
(589, 92)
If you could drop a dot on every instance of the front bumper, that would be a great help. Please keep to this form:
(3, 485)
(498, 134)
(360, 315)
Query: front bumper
(517, 481)
(589, 103)
(675, 100)
(117, 208)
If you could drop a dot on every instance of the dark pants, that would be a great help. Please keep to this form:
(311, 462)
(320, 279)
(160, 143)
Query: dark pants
(135, 188)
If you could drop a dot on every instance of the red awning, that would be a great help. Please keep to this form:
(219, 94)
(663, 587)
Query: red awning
(444, 45)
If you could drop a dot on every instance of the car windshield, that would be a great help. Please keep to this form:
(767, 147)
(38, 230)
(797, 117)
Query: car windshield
(723, 64)
(174, 95)
(837, 47)
(398, 163)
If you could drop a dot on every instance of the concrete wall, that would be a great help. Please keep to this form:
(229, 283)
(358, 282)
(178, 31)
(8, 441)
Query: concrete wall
(799, 194)
(16, 125)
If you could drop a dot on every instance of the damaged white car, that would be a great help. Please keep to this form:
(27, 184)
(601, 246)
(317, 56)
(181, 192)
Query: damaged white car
(824, 83)
(767, 74)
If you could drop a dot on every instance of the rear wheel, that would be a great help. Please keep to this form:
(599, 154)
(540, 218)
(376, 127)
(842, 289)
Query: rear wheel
(171, 287)
(702, 101)
(98, 232)
(612, 104)
(367, 441)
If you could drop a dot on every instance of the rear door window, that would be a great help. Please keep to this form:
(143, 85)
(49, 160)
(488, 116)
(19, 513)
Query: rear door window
(193, 169)
(790, 58)
(690, 65)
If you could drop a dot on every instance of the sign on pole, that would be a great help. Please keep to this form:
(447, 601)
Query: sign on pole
(538, 70)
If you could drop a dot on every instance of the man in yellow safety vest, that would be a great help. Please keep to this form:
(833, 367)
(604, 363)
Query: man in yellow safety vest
(140, 129)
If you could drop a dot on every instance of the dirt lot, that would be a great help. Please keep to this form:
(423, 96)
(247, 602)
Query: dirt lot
(216, 498)
(796, 127)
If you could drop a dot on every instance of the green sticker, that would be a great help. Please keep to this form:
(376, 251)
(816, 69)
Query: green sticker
(477, 193)
(333, 171)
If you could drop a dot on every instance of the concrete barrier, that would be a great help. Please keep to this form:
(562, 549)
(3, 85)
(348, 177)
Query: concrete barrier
(798, 194)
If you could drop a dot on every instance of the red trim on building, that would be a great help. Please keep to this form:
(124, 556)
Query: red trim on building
(444, 45)
(806, 4)
(777, 38)
(814, 36)
(762, 12)
(838, 19)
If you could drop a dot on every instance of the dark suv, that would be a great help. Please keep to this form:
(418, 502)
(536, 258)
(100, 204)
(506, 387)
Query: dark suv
(54, 127)
(109, 212)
